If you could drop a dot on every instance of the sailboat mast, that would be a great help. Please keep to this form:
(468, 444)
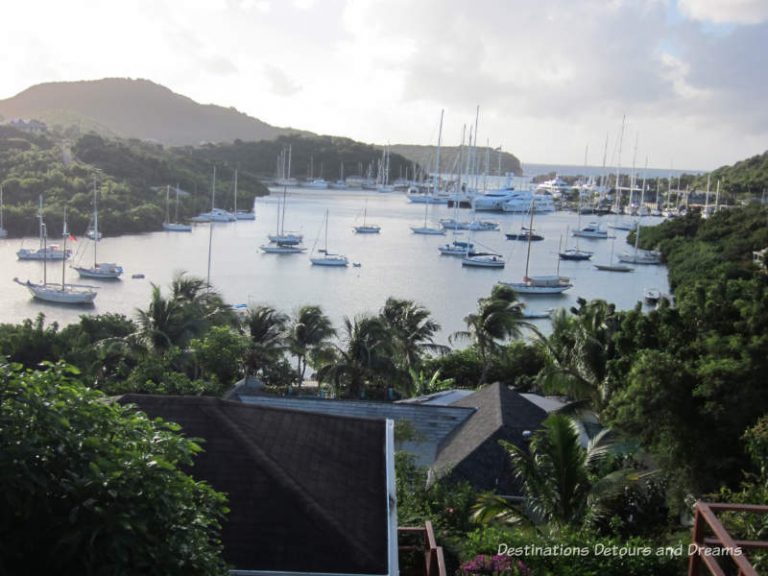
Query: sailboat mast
(176, 210)
(213, 189)
(326, 232)
(437, 155)
(167, 203)
(1, 208)
(40, 221)
(95, 223)
(65, 233)
(618, 166)
(530, 236)
(210, 245)
(235, 190)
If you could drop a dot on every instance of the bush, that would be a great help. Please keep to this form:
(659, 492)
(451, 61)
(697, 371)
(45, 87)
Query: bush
(91, 487)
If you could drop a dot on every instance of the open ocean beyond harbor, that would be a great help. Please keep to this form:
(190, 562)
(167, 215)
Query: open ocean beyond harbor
(395, 262)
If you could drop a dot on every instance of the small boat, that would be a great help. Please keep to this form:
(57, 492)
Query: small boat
(554, 284)
(652, 296)
(44, 252)
(214, 214)
(281, 248)
(641, 257)
(99, 270)
(366, 228)
(534, 315)
(316, 184)
(242, 214)
(138, 276)
(453, 224)
(483, 260)
(575, 254)
(542, 284)
(93, 234)
(174, 226)
(326, 258)
(456, 248)
(613, 268)
(483, 225)
(591, 230)
(525, 235)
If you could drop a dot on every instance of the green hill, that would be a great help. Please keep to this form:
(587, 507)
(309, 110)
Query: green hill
(425, 156)
(134, 109)
(748, 176)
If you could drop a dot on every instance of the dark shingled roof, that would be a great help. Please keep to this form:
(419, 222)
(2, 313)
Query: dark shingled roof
(473, 453)
(307, 492)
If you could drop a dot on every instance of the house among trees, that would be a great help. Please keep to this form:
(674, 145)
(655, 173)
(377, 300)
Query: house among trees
(308, 493)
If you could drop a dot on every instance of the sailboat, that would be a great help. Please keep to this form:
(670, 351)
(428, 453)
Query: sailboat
(326, 258)
(611, 267)
(575, 253)
(366, 228)
(174, 226)
(455, 247)
(242, 214)
(640, 256)
(214, 214)
(3, 231)
(99, 270)
(548, 284)
(63, 293)
(526, 234)
(282, 242)
(44, 252)
(431, 230)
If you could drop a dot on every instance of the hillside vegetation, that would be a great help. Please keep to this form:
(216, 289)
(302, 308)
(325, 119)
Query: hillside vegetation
(748, 176)
(131, 177)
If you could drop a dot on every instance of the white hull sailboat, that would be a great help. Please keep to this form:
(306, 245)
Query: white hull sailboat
(44, 252)
(483, 260)
(366, 228)
(282, 242)
(541, 284)
(70, 294)
(431, 230)
(214, 214)
(327, 258)
(242, 214)
(99, 270)
(174, 226)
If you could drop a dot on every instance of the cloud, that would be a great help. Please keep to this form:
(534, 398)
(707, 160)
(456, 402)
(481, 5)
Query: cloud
(280, 83)
(725, 11)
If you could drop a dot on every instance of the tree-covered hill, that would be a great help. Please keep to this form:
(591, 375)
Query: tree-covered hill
(748, 176)
(131, 177)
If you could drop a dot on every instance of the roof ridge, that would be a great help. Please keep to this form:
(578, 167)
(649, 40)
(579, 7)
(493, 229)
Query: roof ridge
(279, 474)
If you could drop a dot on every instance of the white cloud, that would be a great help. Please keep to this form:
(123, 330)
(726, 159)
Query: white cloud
(726, 11)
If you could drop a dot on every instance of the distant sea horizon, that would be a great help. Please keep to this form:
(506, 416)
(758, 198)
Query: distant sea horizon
(531, 169)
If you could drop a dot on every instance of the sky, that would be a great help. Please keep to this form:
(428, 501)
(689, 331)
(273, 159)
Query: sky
(553, 79)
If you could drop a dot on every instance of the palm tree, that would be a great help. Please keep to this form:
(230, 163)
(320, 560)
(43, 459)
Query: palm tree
(265, 326)
(203, 303)
(557, 478)
(412, 331)
(578, 351)
(499, 318)
(311, 329)
(366, 359)
(164, 324)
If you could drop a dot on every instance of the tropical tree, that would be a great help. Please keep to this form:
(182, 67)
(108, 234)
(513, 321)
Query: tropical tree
(578, 352)
(561, 481)
(265, 327)
(366, 360)
(93, 487)
(309, 331)
(412, 332)
(499, 318)
(164, 323)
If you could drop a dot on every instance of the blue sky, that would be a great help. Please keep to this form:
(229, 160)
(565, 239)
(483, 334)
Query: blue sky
(551, 77)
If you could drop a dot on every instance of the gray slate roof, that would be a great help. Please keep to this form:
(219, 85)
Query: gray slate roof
(431, 425)
(473, 453)
(307, 492)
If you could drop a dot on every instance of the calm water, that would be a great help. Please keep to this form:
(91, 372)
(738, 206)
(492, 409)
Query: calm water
(393, 263)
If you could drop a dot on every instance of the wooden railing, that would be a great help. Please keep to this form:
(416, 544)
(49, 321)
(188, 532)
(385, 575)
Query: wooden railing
(418, 541)
(704, 550)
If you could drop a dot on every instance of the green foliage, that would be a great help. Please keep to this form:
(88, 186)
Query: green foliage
(132, 177)
(746, 176)
(220, 355)
(91, 487)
